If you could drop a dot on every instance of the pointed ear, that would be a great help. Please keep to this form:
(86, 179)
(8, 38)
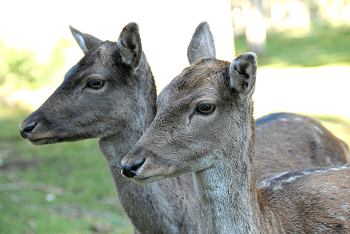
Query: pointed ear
(201, 45)
(243, 74)
(129, 44)
(85, 41)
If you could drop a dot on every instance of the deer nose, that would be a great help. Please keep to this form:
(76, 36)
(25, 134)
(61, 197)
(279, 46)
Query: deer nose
(130, 170)
(26, 130)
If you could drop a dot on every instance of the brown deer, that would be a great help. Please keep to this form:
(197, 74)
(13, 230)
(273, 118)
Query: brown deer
(205, 125)
(110, 94)
(287, 141)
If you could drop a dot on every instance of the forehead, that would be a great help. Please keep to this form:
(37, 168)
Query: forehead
(95, 60)
(195, 81)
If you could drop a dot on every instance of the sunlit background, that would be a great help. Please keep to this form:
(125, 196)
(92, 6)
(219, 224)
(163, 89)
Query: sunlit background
(304, 66)
(37, 47)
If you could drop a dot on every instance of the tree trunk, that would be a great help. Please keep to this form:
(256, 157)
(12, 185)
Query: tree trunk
(256, 29)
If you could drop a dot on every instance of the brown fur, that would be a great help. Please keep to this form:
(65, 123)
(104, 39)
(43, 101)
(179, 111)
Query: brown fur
(118, 114)
(298, 142)
(219, 148)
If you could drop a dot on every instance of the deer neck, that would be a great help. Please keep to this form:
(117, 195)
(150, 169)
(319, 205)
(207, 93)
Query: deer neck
(157, 204)
(114, 147)
(227, 191)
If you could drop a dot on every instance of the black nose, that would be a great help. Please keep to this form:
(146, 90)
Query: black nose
(26, 130)
(131, 170)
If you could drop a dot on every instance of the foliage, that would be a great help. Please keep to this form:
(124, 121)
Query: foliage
(19, 69)
(321, 45)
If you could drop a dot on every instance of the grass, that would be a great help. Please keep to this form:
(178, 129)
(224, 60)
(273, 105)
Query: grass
(338, 125)
(88, 203)
(322, 45)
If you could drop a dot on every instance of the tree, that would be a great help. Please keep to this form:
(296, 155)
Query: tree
(256, 29)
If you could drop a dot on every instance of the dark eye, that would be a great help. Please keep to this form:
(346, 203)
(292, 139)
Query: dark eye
(205, 108)
(95, 83)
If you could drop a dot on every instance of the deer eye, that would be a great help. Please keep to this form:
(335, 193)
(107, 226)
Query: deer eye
(205, 108)
(95, 83)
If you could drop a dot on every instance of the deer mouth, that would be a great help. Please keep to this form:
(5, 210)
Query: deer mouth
(44, 141)
(43, 137)
(146, 175)
(52, 139)
(135, 172)
(145, 180)
(30, 132)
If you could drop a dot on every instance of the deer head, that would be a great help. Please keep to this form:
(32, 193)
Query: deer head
(97, 95)
(205, 125)
(192, 111)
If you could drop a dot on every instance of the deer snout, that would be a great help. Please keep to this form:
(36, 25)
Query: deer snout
(26, 129)
(130, 170)
(133, 161)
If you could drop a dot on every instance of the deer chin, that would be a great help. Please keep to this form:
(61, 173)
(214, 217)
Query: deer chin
(150, 179)
(51, 140)
(144, 176)
(146, 180)
(44, 141)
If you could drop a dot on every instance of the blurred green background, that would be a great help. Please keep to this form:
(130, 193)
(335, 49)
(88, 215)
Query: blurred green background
(66, 187)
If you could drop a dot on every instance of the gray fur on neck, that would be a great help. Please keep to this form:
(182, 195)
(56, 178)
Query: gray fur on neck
(229, 205)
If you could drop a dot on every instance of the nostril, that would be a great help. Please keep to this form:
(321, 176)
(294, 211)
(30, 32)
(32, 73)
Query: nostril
(136, 165)
(26, 130)
(131, 170)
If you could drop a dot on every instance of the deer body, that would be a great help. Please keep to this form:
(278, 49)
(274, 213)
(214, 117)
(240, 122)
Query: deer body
(310, 200)
(287, 141)
(110, 94)
(205, 125)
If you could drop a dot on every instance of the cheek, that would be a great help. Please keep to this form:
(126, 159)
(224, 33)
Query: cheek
(199, 161)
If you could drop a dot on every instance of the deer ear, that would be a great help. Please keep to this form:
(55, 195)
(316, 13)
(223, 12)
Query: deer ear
(129, 44)
(85, 41)
(243, 74)
(201, 45)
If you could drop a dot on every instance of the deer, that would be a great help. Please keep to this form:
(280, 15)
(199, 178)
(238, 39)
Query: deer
(288, 141)
(110, 94)
(204, 125)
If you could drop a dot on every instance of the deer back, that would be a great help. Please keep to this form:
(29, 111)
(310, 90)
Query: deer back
(287, 141)
(308, 200)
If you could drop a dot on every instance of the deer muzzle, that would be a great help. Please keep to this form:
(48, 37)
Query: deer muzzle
(132, 162)
(131, 170)
(26, 129)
